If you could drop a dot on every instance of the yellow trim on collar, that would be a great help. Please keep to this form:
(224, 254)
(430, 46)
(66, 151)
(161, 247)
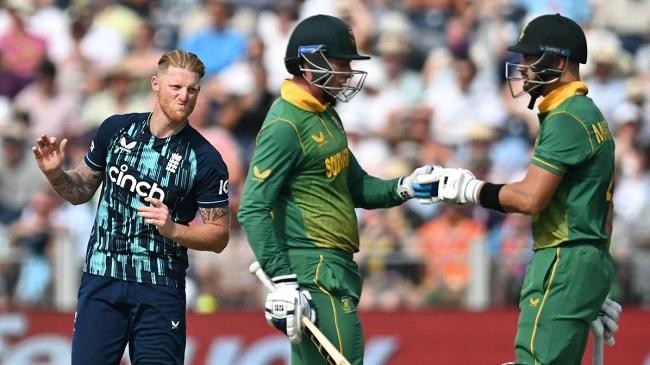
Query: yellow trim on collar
(294, 94)
(557, 96)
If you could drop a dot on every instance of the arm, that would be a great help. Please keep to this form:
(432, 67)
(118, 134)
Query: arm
(212, 235)
(370, 192)
(532, 194)
(529, 196)
(562, 143)
(76, 186)
(277, 152)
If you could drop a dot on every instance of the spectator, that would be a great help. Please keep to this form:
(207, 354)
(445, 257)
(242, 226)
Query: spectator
(50, 109)
(20, 179)
(33, 232)
(21, 51)
(445, 243)
(52, 24)
(143, 54)
(230, 42)
(462, 98)
(116, 97)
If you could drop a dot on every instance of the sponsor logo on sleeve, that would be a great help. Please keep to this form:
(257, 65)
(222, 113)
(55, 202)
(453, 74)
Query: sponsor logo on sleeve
(259, 175)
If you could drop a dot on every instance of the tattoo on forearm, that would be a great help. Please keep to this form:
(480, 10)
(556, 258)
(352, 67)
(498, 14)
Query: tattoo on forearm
(78, 185)
(213, 214)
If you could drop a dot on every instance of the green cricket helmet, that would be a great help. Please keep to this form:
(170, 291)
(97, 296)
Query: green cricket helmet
(549, 37)
(317, 39)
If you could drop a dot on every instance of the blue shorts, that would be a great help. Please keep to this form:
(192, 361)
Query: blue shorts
(111, 313)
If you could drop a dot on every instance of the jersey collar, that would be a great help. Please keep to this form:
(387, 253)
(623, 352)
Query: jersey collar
(557, 96)
(299, 97)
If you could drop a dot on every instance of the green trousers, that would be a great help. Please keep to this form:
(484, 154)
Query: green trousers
(562, 293)
(333, 279)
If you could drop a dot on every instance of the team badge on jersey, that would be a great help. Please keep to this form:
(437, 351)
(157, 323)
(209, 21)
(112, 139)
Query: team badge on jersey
(174, 161)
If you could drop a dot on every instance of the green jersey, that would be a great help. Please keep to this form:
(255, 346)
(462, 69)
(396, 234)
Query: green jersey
(574, 141)
(304, 183)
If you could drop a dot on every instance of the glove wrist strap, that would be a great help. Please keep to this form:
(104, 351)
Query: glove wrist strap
(285, 279)
(488, 197)
(472, 189)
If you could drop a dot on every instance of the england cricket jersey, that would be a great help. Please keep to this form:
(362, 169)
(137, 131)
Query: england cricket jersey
(184, 171)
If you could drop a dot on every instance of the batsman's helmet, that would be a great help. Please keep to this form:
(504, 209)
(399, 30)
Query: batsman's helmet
(312, 42)
(550, 37)
(555, 34)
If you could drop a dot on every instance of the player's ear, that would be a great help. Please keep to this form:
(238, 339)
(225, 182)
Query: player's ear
(155, 83)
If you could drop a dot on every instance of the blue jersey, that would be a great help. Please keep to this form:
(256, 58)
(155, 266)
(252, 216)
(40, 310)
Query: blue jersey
(184, 171)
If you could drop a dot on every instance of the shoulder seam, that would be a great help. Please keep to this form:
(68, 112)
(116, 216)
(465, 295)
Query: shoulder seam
(293, 126)
(584, 126)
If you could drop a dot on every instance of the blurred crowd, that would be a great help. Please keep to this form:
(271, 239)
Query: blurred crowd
(435, 93)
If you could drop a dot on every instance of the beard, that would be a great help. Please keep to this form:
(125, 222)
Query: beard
(176, 113)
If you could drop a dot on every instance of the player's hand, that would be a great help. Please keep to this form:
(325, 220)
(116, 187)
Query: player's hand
(458, 186)
(286, 305)
(606, 324)
(157, 214)
(424, 189)
(49, 153)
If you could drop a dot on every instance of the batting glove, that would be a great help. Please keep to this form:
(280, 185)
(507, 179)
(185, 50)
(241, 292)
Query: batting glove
(286, 305)
(458, 186)
(606, 324)
(422, 184)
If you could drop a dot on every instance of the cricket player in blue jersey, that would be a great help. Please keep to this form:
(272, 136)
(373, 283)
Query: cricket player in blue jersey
(157, 171)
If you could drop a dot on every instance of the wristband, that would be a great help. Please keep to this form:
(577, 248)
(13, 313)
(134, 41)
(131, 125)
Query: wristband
(488, 197)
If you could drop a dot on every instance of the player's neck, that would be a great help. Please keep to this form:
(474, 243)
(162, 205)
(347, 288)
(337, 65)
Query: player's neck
(162, 127)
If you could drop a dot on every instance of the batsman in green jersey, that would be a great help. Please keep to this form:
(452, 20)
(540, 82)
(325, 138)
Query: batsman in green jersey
(302, 188)
(568, 191)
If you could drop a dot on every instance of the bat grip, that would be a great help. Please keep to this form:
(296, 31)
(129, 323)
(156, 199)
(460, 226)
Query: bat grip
(256, 269)
(598, 357)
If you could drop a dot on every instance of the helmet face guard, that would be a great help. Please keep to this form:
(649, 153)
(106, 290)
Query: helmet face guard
(543, 72)
(325, 77)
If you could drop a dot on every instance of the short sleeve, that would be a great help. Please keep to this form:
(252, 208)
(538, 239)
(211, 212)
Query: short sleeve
(96, 156)
(563, 142)
(212, 182)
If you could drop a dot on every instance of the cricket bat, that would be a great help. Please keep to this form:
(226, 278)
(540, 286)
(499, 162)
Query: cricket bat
(324, 346)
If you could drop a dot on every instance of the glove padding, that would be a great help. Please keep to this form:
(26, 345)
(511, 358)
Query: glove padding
(458, 186)
(605, 325)
(425, 190)
(286, 305)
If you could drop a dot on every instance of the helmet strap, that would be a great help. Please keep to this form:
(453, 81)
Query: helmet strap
(533, 98)
(547, 73)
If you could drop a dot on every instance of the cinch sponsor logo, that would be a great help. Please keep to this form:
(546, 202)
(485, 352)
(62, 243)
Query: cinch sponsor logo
(336, 163)
(129, 182)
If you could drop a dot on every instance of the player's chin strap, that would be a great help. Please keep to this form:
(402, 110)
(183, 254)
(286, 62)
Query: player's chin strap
(533, 98)
(546, 72)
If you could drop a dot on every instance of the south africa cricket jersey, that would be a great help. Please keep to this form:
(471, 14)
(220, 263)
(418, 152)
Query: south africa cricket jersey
(574, 141)
(304, 183)
(184, 171)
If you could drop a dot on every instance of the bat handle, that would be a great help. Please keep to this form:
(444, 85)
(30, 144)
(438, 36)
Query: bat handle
(598, 351)
(256, 269)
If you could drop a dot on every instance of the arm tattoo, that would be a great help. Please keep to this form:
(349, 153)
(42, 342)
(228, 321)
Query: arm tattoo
(78, 185)
(210, 215)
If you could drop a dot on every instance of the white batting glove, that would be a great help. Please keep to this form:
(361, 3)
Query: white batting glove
(606, 324)
(458, 186)
(425, 190)
(286, 305)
